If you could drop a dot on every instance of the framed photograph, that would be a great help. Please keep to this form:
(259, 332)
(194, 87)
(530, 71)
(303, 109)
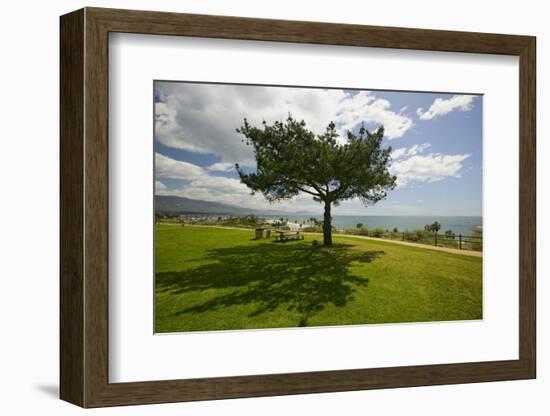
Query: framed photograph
(255, 207)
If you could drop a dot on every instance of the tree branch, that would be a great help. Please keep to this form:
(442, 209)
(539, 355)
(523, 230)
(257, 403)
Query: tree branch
(341, 190)
(320, 193)
(307, 192)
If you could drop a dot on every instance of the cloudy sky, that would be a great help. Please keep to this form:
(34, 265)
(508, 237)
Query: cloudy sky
(436, 141)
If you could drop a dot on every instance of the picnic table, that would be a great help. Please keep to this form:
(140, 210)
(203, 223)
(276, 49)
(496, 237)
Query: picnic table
(288, 235)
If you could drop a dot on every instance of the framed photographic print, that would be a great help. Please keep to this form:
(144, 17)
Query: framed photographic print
(255, 207)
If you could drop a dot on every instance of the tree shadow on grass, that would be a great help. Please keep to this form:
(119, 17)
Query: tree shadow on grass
(267, 275)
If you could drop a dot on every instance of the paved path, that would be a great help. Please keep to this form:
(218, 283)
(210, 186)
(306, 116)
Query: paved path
(405, 243)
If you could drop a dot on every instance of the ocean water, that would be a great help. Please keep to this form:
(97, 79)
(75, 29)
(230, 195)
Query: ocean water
(459, 225)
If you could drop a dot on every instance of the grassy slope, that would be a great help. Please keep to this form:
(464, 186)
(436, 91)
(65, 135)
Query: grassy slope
(219, 279)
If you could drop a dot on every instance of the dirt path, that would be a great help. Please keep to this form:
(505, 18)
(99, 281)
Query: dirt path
(405, 243)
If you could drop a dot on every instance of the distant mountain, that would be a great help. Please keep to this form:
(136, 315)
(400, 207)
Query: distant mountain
(179, 205)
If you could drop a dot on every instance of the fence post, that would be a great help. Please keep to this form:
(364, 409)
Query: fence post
(436, 238)
(403, 235)
(460, 241)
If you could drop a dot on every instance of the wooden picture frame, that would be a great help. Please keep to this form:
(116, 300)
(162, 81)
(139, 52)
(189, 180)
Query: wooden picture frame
(84, 207)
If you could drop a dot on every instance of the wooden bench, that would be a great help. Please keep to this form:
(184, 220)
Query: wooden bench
(288, 235)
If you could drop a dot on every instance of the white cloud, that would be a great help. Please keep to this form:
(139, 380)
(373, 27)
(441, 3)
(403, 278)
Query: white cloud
(398, 153)
(200, 184)
(166, 167)
(440, 106)
(221, 167)
(427, 168)
(411, 151)
(365, 107)
(202, 118)
(159, 186)
(410, 166)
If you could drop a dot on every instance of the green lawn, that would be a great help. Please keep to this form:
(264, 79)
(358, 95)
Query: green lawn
(220, 279)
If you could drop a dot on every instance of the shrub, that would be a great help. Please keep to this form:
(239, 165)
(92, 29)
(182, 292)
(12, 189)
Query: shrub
(363, 231)
(477, 243)
(411, 236)
(433, 228)
(357, 231)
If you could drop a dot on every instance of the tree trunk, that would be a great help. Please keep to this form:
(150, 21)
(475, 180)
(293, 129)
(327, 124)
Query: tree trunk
(327, 226)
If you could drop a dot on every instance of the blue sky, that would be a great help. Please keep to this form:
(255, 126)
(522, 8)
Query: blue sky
(436, 141)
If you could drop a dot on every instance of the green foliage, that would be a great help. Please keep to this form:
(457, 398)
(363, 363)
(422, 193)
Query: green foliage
(359, 225)
(361, 231)
(249, 221)
(413, 236)
(418, 236)
(425, 236)
(291, 159)
(312, 229)
(315, 221)
(476, 242)
(449, 234)
(433, 228)
(357, 231)
(281, 223)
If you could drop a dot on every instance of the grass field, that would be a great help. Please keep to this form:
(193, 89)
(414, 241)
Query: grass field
(221, 279)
